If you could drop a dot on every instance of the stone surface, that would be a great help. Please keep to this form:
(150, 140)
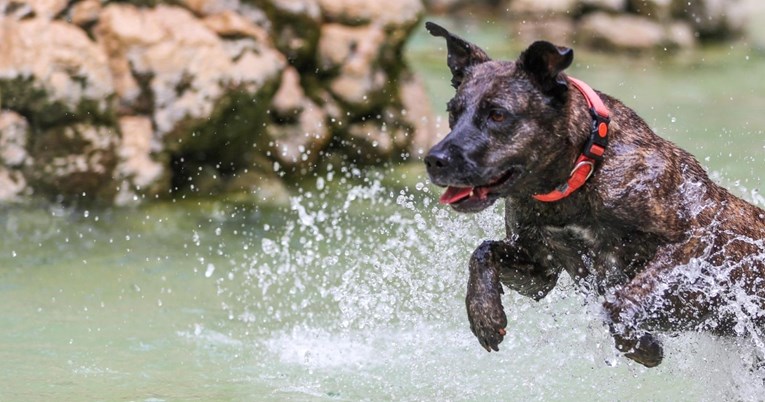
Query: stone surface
(127, 101)
(44, 9)
(85, 12)
(543, 6)
(289, 98)
(51, 67)
(713, 18)
(634, 33)
(14, 134)
(417, 113)
(186, 65)
(137, 172)
(75, 162)
(353, 53)
(357, 12)
(14, 131)
(299, 143)
(608, 5)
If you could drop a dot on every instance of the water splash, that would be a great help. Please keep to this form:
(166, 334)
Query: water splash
(365, 282)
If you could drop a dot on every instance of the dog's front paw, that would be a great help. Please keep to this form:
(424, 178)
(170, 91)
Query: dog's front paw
(487, 319)
(647, 350)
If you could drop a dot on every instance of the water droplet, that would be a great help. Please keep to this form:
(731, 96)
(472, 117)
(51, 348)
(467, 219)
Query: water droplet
(210, 270)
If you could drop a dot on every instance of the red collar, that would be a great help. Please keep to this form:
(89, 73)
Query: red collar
(593, 150)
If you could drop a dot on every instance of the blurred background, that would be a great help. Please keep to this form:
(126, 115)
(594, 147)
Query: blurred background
(224, 199)
(116, 102)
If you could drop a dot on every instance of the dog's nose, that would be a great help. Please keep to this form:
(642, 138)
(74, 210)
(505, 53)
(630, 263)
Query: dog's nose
(436, 160)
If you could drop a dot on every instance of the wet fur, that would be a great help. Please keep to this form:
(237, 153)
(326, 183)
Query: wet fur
(649, 207)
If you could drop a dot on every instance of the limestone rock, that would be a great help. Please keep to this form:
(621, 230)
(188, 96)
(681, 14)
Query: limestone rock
(417, 113)
(713, 18)
(229, 23)
(44, 9)
(296, 26)
(607, 5)
(395, 13)
(299, 143)
(85, 12)
(50, 69)
(136, 170)
(13, 155)
(75, 161)
(655, 9)
(634, 33)
(289, 98)
(184, 66)
(543, 6)
(354, 53)
(14, 131)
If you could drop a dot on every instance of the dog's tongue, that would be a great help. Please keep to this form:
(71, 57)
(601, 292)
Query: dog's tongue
(456, 194)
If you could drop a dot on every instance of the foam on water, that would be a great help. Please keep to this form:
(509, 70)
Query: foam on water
(361, 296)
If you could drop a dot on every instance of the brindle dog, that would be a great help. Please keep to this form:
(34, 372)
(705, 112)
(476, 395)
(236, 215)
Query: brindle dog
(664, 247)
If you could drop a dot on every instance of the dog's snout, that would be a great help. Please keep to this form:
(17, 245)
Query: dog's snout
(436, 160)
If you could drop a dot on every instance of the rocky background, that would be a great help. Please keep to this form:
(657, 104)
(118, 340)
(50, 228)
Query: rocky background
(122, 101)
(631, 25)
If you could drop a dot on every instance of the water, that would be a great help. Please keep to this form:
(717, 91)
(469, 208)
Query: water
(354, 290)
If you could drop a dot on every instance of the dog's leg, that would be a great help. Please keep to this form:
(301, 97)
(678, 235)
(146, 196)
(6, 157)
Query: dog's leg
(492, 262)
(646, 298)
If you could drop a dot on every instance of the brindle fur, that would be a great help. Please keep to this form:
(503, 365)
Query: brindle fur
(648, 208)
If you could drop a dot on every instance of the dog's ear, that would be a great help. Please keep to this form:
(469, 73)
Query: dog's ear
(544, 63)
(461, 54)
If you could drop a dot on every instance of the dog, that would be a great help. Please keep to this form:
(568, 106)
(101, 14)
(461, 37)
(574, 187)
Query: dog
(591, 190)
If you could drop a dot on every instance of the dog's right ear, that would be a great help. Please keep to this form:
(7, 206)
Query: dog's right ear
(461, 54)
(545, 63)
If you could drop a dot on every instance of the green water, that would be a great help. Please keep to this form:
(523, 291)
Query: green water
(353, 291)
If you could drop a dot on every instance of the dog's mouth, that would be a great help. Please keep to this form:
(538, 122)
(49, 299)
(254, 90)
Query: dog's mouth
(478, 197)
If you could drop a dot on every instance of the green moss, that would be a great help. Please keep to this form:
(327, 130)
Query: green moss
(20, 94)
(232, 139)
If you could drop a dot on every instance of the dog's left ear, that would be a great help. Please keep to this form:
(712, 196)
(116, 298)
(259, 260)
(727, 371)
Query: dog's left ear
(461, 53)
(545, 62)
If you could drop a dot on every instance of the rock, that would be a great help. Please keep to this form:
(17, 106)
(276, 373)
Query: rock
(210, 7)
(296, 26)
(445, 6)
(680, 34)
(51, 70)
(13, 155)
(353, 54)
(186, 67)
(14, 131)
(229, 23)
(556, 29)
(393, 13)
(299, 143)
(526, 7)
(137, 171)
(634, 33)
(43, 9)
(75, 161)
(265, 187)
(85, 12)
(713, 18)
(12, 184)
(132, 99)
(655, 9)
(289, 98)
(606, 5)
(417, 113)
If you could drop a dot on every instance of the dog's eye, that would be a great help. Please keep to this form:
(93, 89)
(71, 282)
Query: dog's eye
(497, 115)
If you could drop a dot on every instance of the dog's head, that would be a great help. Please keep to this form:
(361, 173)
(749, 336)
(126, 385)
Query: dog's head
(507, 122)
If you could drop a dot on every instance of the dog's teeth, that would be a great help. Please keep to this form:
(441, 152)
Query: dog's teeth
(471, 193)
